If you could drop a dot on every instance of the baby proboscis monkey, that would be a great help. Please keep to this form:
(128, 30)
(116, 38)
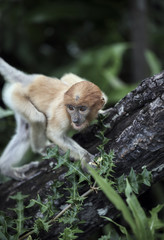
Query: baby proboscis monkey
(45, 109)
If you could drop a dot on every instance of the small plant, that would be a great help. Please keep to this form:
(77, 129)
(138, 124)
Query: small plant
(135, 180)
(69, 233)
(142, 227)
(104, 161)
(69, 215)
(17, 225)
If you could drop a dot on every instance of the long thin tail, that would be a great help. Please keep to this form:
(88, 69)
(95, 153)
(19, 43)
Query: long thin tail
(12, 75)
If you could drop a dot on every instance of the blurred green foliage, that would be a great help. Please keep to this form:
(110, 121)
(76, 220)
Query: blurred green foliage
(103, 66)
(90, 38)
(5, 113)
(55, 31)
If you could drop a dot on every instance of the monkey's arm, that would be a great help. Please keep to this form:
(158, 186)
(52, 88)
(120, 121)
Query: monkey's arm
(66, 143)
(104, 112)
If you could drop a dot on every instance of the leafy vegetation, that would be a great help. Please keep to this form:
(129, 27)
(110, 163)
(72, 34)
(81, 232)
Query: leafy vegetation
(5, 113)
(7, 223)
(104, 70)
(135, 180)
(142, 227)
(68, 216)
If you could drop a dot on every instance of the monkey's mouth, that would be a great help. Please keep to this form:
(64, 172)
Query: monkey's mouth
(78, 126)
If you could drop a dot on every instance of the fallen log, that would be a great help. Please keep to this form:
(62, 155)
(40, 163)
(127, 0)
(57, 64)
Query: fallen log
(136, 135)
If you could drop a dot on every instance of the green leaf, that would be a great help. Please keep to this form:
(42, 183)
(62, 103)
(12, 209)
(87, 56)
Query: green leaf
(133, 180)
(142, 230)
(122, 228)
(74, 168)
(52, 152)
(62, 160)
(70, 217)
(105, 237)
(5, 113)
(41, 224)
(121, 183)
(113, 81)
(154, 222)
(153, 62)
(146, 177)
(2, 236)
(31, 204)
(19, 210)
(38, 201)
(19, 196)
(69, 233)
(109, 57)
(29, 237)
(115, 198)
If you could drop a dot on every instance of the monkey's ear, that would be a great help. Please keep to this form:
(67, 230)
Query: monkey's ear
(104, 99)
(100, 104)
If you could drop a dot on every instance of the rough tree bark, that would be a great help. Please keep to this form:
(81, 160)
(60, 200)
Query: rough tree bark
(136, 133)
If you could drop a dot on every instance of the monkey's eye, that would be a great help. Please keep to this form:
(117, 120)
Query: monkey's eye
(70, 107)
(83, 108)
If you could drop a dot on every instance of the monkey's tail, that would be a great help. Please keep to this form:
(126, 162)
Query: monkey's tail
(13, 75)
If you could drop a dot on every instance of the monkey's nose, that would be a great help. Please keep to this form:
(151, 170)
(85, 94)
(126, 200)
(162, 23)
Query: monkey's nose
(76, 122)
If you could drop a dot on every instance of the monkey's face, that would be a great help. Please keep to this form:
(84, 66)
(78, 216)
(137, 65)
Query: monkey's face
(78, 116)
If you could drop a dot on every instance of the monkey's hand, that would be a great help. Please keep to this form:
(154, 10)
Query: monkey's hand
(88, 159)
(105, 112)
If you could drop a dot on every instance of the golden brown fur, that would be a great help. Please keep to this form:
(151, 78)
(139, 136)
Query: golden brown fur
(48, 94)
(84, 93)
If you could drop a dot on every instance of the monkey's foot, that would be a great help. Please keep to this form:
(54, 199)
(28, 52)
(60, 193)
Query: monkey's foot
(18, 173)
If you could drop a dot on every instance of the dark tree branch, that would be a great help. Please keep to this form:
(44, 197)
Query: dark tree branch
(136, 133)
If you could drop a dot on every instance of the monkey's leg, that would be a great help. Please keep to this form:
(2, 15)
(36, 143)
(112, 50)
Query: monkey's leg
(15, 151)
(35, 118)
(38, 138)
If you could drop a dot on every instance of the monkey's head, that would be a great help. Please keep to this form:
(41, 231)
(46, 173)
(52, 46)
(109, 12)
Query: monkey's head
(83, 100)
